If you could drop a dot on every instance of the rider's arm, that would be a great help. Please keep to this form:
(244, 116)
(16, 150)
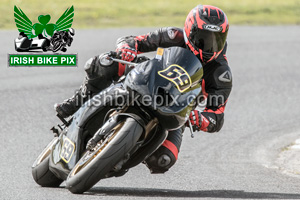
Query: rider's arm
(129, 46)
(216, 86)
(163, 37)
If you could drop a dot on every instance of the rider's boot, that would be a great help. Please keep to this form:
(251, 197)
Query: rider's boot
(86, 91)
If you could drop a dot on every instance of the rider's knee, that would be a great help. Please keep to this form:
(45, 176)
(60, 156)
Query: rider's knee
(161, 160)
(97, 70)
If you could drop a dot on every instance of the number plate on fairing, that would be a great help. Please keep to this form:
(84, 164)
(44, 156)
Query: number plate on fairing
(177, 75)
(67, 151)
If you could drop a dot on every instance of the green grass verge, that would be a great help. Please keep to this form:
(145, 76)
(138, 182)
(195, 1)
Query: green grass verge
(151, 13)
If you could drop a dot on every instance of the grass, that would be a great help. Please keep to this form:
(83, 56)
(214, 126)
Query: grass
(151, 13)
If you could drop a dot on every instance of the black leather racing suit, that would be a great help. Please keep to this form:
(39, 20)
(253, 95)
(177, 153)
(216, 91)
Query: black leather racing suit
(216, 87)
(217, 78)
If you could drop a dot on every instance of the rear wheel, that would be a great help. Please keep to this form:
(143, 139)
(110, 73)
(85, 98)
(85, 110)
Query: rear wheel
(95, 165)
(40, 168)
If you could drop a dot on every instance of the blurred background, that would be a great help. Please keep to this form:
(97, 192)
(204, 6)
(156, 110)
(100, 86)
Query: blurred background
(240, 162)
(154, 13)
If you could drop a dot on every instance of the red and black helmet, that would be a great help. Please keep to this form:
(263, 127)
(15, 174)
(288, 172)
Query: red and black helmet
(205, 31)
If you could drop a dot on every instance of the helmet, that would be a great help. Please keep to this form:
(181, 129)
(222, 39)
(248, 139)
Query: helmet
(205, 32)
(71, 31)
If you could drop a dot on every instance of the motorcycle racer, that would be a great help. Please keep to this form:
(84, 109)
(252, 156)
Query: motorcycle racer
(204, 34)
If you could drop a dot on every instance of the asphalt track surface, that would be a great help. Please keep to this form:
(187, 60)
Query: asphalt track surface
(261, 118)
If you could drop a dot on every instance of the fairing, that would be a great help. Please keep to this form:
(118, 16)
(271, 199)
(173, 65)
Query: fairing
(177, 75)
(66, 152)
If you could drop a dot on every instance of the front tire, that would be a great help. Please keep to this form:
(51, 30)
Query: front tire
(40, 168)
(95, 165)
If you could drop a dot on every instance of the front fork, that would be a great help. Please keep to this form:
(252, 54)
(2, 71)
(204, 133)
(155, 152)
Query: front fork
(109, 125)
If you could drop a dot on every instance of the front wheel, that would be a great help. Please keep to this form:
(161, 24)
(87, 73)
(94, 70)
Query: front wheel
(95, 165)
(40, 168)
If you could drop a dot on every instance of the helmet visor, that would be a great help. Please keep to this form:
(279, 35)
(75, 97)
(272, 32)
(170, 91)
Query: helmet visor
(208, 41)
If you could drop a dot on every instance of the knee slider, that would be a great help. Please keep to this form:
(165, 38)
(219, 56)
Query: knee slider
(160, 161)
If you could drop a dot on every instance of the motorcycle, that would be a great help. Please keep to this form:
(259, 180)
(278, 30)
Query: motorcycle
(106, 137)
(61, 39)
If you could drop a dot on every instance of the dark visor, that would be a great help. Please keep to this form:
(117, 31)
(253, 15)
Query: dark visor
(208, 41)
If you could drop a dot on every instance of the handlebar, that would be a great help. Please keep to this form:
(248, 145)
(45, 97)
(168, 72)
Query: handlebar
(130, 64)
(112, 56)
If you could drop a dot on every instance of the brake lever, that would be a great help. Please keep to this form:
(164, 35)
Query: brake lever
(191, 129)
(130, 64)
(112, 56)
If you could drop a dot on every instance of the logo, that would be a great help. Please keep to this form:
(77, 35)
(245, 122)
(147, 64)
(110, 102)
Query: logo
(212, 120)
(172, 33)
(177, 75)
(211, 27)
(225, 77)
(43, 36)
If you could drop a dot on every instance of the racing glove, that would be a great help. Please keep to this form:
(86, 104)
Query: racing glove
(126, 49)
(198, 121)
